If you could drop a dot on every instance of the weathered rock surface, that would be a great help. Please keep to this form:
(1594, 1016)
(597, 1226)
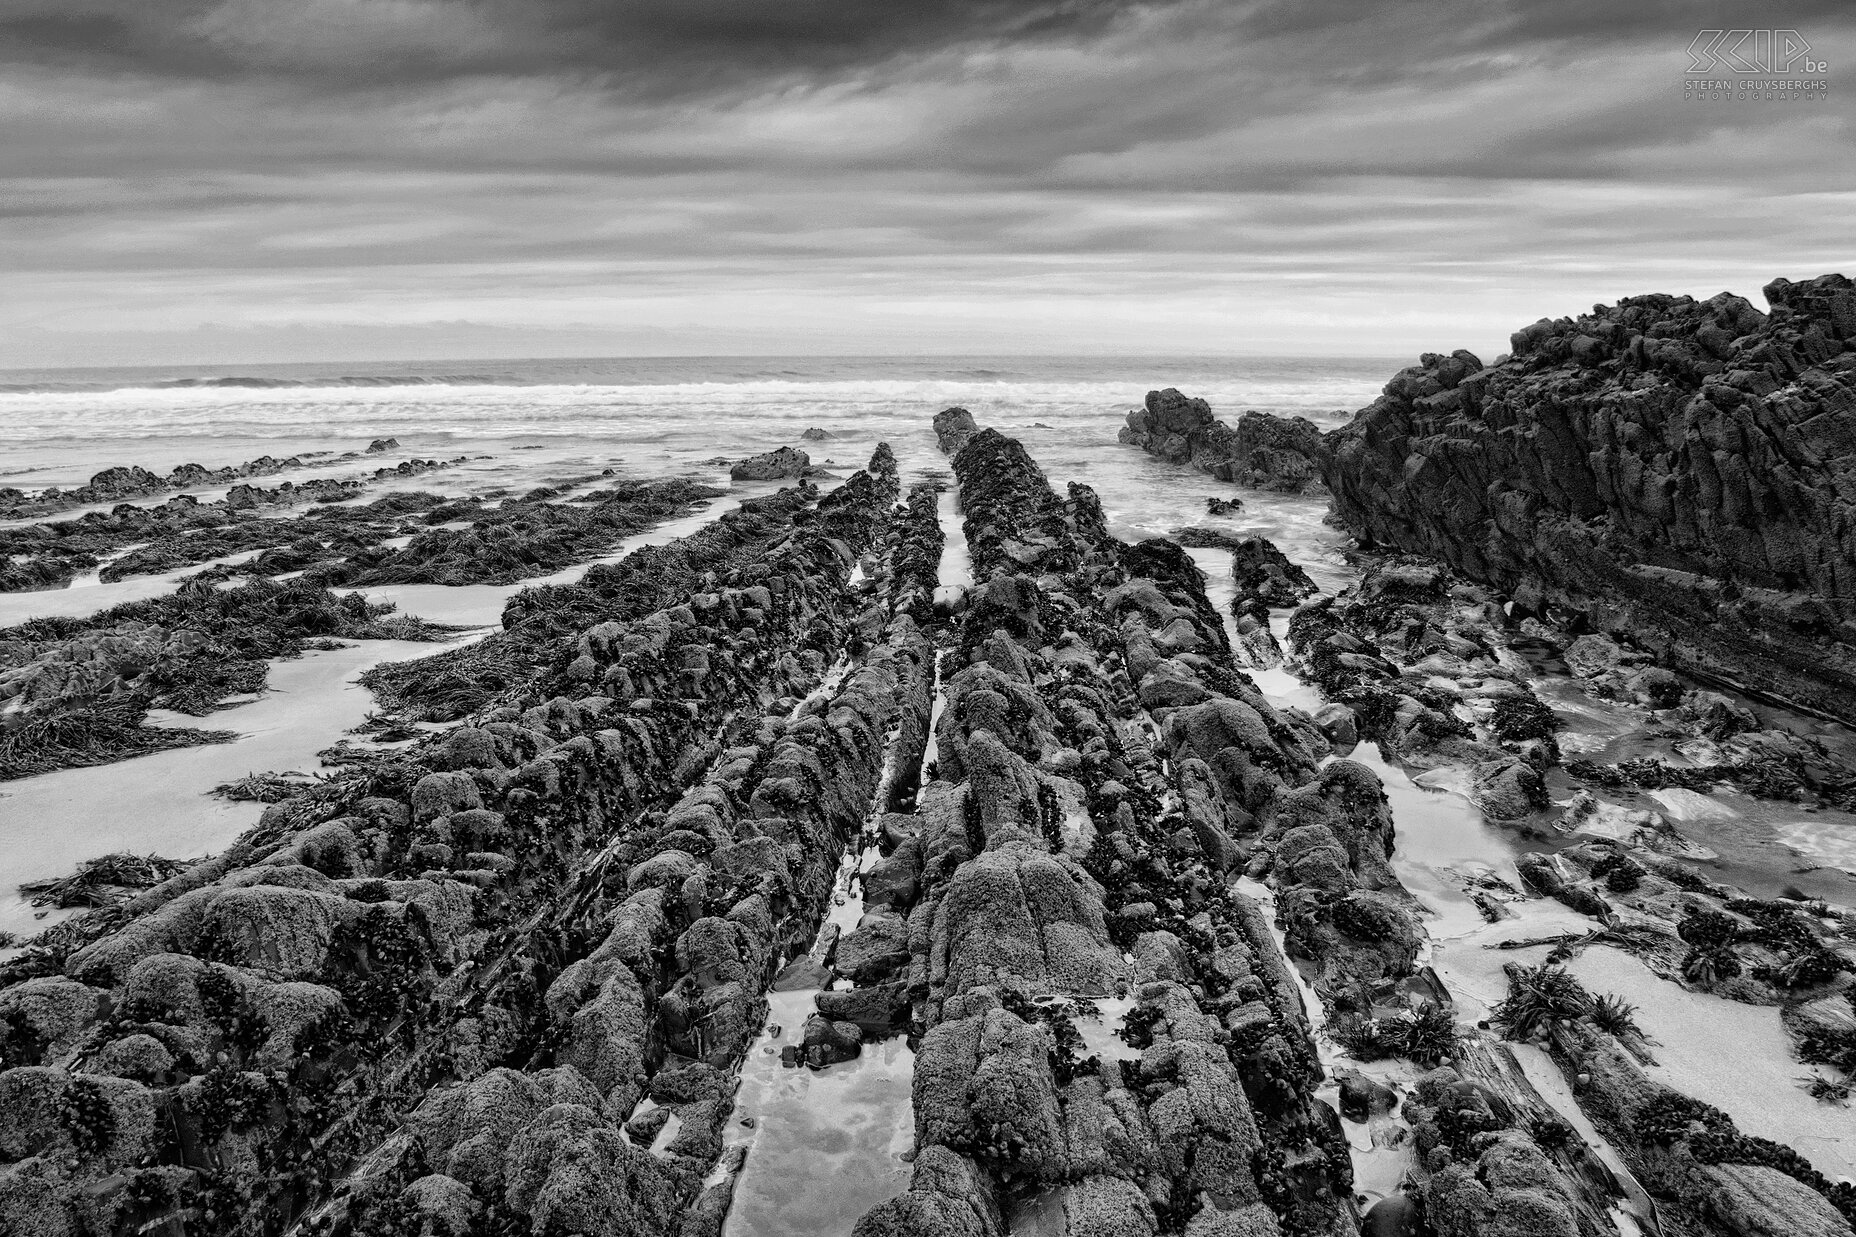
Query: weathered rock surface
(1419, 659)
(1049, 848)
(1671, 468)
(508, 934)
(1262, 451)
(772, 465)
(952, 428)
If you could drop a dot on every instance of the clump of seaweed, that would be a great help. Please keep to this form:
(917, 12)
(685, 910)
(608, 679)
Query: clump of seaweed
(1538, 997)
(266, 787)
(1522, 716)
(1427, 1036)
(104, 881)
(1614, 1016)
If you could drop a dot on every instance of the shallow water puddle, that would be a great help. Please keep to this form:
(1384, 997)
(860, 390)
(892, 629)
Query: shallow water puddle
(1100, 1030)
(1551, 1084)
(1737, 1057)
(1278, 684)
(823, 1146)
(956, 574)
(1381, 1156)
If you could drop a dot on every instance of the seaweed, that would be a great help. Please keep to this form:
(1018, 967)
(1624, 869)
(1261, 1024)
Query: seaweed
(521, 538)
(1614, 1016)
(266, 787)
(1522, 716)
(188, 651)
(457, 682)
(108, 732)
(104, 881)
(1538, 997)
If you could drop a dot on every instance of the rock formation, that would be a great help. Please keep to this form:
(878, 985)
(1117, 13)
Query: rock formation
(183, 531)
(432, 993)
(952, 428)
(1261, 451)
(772, 465)
(134, 481)
(1673, 469)
(1102, 776)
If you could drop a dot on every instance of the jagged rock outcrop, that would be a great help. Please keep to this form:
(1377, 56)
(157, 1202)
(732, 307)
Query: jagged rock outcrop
(1099, 774)
(1102, 775)
(1261, 451)
(1264, 573)
(1264, 580)
(434, 992)
(1674, 469)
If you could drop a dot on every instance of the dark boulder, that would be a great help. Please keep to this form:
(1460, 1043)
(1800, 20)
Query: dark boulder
(1265, 573)
(772, 465)
(952, 428)
(1261, 451)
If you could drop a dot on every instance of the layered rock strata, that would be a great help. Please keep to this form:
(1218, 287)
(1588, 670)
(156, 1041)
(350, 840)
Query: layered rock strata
(455, 683)
(1102, 772)
(1674, 469)
(1051, 864)
(512, 932)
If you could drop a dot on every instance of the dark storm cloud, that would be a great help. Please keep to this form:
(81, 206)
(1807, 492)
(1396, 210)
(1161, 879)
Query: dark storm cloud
(660, 46)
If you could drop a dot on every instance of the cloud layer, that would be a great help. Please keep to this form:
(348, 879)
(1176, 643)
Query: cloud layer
(842, 175)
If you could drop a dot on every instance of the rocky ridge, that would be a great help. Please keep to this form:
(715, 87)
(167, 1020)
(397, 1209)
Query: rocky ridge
(134, 481)
(1260, 451)
(130, 540)
(455, 683)
(1101, 775)
(1673, 471)
(516, 930)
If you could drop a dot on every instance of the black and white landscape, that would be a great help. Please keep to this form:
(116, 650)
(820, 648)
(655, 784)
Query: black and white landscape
(850, 620)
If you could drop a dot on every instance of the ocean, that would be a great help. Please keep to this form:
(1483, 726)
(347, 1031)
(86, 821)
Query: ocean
(527, 422)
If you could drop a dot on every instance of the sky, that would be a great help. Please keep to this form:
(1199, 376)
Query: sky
(214, 181)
